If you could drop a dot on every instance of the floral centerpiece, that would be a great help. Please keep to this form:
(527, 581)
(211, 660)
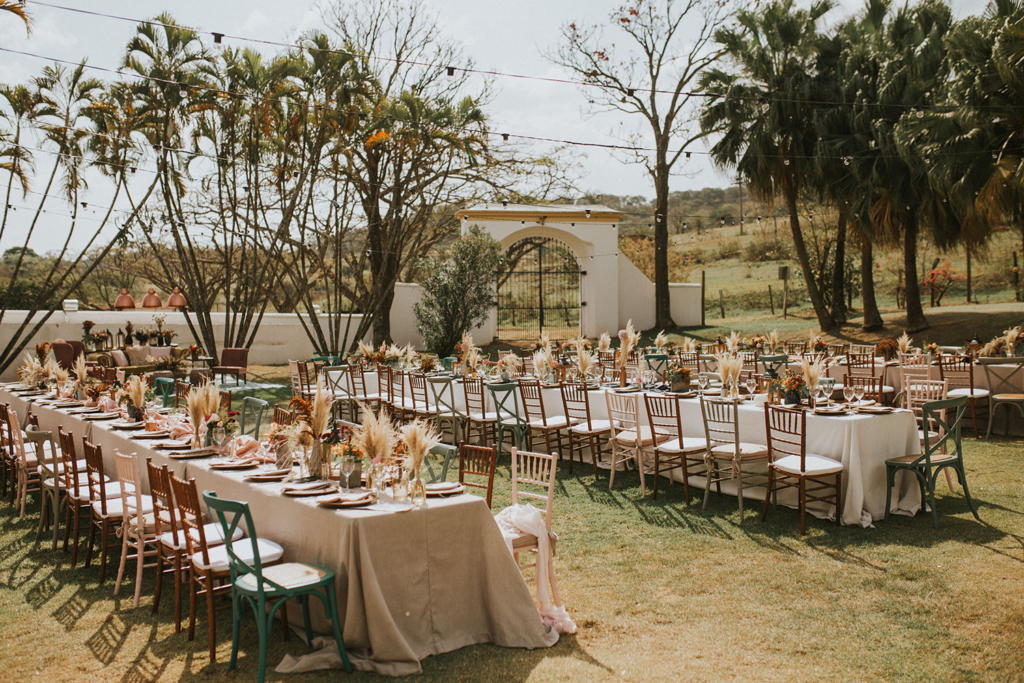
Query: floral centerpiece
(772, 341)
(129, 331)
(133, 398)
(604, 344)
(792, 385)
(628, 339)
(376, 440)
(904, 343)
(932, 348)
(33, 373)
(887, 349)
(661, 341)
(419, 437)
(818, 345)
(678, 376)
(757, 343)
(277, 435)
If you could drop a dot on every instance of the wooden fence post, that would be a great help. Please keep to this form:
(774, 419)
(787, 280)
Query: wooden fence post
(771, 301)
(702, 302)
(785, 298)
(721, 302)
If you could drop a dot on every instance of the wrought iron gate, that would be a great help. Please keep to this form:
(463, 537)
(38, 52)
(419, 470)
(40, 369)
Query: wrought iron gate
(539, 291)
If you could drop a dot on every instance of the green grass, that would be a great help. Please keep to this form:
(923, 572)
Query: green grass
(660, 591)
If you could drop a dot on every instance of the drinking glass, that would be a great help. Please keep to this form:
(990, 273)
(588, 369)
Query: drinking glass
(702, 382)
(825, 393)
(859, 393)
(348, 466)
(751, 385)
(218, 435)
(848, 393)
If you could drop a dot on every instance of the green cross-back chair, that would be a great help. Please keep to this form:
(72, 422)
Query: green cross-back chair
(253, 410)
(164, 388)
(1004, 390)
(447, 453)
(449, 363)
(932, 460)
(773, 364)
(657, 363)
(505, 397)
(445, 409)
(256, 587)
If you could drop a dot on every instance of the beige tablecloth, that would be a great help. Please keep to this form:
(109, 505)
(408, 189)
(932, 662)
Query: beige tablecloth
(409, 584)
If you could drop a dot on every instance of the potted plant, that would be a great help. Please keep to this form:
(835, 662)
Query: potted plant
(793, 385)
(129, 330)
(141, 336)
(87, 336)
(678, 376)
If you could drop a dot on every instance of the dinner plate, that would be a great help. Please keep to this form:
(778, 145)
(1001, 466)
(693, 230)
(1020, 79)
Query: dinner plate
(241, 465)
(68, 404)
(101, 416)
(304, 491)
(830, 411)
(436, 490)
(173, 444)
(341, 502)
(880, 410)
(191, 453)
(26, 394)
(83, 410)
(127, 425)
(159, 434)
(276, 475)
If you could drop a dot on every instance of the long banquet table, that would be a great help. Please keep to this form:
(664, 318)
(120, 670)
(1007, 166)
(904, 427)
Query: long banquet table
(409, 584)
(861, 442)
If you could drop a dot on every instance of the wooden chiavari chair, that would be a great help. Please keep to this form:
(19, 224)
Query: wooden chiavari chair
(585, 431)
(478, 461)
(628, 439)
(790, 466)
(538, 421)
(138, 521)
(477, 417)
(677, 452)
(535, 472)
(959, 375)
(722, 433)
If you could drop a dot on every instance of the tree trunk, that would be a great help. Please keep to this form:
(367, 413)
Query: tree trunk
(915, 312)
(872, 318)
(824, 319)
(382, 321)
(662, 297)
(839, 274)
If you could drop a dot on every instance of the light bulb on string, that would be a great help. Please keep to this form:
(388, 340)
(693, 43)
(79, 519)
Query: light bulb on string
(217, 38)
(451, 71)
(588, 213)
(504, 136)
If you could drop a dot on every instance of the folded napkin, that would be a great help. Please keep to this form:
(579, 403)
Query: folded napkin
(326, 486)
(355, 496)
(180, 430)
(107, 404)
(246, 447)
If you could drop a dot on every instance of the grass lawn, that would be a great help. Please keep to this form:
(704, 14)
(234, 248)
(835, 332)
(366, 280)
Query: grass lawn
(660, 591)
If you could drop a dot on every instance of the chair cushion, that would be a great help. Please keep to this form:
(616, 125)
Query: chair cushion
(268, 550)
(596, 427)
(964, 391)
(932, 436)
(115, 509)
(1009, 397)
(289, 575)
(748, 451)
(213, 532)
(486, 417)
(112, 488)
(647, 437)
(553, 422)
(814, 465)
(689, 444)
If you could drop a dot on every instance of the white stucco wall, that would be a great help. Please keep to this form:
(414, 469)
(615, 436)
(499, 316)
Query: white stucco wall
(403, 320)
(636, 297)
(279, 339)
(685, 303)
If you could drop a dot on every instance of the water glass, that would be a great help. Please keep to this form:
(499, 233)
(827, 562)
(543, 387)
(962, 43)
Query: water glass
(859, 393)
(348, 466)
(751, 385)
(702, 382)
(848, 393)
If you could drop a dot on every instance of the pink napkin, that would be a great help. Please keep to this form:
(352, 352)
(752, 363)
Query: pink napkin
(108, 404)
(246, 447)
(180, 430)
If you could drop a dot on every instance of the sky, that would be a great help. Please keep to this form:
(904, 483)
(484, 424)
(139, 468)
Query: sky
(510, 37)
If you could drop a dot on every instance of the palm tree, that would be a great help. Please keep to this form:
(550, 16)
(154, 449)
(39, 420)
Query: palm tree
(17, 8)
(177, 69)
(910, 56)
(768, 111)
(21, 105)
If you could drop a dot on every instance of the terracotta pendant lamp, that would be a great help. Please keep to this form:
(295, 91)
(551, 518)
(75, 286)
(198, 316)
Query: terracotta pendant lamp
(151, 300)
(124, 300)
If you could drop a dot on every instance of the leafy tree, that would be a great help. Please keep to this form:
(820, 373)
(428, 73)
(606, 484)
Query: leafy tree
(458, 289)
(671, 44)
(17, 8)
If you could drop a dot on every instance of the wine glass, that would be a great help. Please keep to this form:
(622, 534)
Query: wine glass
(751, 385)
(858, 391)
(825, 392)
(848, 393)
(702, 382)
(348, 466)
(218, 435)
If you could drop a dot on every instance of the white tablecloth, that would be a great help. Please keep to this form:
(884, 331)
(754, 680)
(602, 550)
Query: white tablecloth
(862, 443)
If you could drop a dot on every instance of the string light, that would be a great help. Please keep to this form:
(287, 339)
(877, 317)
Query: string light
(451, 70)
(588, 213)
(217, 38)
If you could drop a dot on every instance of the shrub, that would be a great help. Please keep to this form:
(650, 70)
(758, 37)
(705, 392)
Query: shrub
(458, 289)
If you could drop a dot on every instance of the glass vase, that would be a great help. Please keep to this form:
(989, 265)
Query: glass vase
(417, 489)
